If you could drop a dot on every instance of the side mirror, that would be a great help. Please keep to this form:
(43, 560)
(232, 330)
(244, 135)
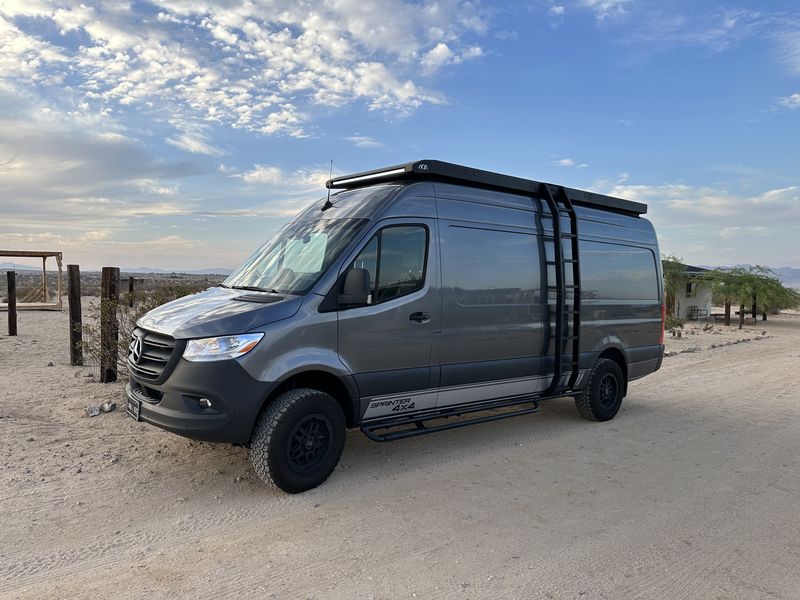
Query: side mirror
(356, 289)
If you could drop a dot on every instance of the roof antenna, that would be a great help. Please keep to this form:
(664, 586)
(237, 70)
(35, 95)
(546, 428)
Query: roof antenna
(328, 204)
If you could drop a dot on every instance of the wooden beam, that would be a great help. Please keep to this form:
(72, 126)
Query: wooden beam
(29, 253)
(109, 327)
(59, 300)
(45, 295)
(75, 316)
(12, 303)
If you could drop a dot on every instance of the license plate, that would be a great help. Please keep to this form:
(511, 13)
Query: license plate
(132, 408)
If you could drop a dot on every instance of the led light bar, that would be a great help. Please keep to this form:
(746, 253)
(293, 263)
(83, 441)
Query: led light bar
(333, 183)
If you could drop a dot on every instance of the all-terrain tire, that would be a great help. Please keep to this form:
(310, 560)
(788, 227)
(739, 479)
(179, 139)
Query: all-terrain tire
(602, 396)
(298, 440)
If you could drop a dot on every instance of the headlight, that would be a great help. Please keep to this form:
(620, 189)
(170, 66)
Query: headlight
(221, 348)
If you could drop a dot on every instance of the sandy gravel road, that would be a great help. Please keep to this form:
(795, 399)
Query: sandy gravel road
(693, 491)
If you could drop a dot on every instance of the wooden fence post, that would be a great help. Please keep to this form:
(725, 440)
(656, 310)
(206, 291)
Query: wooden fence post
(109, 327)
(12, 303)
(75, 317)
(130, 291)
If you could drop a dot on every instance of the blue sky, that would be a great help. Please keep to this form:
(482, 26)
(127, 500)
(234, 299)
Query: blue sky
(182, 133)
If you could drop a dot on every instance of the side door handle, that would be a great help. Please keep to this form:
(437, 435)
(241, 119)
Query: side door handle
(419, 317)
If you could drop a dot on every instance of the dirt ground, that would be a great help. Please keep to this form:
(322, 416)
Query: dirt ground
(691, 492)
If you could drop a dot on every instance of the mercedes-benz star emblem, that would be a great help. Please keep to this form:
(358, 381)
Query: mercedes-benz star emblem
(136, 349)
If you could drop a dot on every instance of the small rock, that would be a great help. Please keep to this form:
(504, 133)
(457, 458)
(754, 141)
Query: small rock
(107, 407)
(50, 364)
(92, 410)
(30, 439)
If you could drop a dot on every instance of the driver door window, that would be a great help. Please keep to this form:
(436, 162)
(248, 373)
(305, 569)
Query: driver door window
(396, 259)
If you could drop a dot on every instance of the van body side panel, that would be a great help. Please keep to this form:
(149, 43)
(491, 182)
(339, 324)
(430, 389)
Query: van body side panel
(622, 291)
(491, 334)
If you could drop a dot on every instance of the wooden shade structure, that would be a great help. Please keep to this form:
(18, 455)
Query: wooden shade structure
(43, 303)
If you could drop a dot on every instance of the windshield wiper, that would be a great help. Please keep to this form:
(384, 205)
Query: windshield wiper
(253, 288)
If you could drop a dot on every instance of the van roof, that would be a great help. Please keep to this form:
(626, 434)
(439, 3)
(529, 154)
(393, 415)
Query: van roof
(436, 170)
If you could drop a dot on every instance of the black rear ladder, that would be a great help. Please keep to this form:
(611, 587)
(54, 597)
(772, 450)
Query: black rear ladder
(566, 313)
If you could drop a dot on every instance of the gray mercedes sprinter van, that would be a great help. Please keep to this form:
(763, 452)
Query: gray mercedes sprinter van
(417, 298)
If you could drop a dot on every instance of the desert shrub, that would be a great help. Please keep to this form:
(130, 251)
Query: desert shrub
(126, 318)
(673, 322)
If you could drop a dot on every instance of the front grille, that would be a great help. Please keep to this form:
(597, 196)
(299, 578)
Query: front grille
(156, 352)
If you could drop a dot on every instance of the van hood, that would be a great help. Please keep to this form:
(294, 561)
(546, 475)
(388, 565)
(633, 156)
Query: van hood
(217, 312)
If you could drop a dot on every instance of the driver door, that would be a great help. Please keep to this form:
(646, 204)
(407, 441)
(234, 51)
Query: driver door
(387, 344)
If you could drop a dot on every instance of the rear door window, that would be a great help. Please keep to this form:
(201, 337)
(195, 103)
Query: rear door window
(616, 272)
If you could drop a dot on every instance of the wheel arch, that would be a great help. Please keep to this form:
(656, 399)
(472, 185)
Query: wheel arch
(341, 388)
(618, 356)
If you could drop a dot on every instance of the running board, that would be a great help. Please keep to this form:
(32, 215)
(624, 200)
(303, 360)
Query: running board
(377, 431)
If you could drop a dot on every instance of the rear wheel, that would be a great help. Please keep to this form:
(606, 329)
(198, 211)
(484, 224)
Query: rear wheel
(298, 440)
(602, 397)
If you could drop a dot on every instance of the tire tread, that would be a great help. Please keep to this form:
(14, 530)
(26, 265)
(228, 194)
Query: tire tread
(267, 423)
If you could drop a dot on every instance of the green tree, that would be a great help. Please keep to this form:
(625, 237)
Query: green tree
(740, 286)
(674, 279)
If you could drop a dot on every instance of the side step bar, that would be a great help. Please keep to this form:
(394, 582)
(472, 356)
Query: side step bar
(385, 430)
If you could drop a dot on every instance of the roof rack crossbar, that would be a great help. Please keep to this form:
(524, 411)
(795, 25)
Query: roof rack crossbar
(443, 171)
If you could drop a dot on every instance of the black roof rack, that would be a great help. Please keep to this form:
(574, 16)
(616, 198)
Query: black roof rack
(437, 170)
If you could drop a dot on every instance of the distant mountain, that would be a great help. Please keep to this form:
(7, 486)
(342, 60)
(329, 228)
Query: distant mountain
(789, 276)
(156, 271)
(7, 266)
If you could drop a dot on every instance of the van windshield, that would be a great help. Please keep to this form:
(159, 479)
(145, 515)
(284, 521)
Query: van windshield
(298, 255)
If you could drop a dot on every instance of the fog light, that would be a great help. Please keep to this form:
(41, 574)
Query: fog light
(204, 403)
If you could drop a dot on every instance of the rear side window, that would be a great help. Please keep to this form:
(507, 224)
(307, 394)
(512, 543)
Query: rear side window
(486, 267)
(614, 272)
(395, 258)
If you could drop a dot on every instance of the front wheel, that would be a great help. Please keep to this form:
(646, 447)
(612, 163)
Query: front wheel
(602, 397)
(298, 440)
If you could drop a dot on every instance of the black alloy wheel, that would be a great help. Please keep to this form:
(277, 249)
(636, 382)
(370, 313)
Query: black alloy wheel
(601, 397)
(310, 443)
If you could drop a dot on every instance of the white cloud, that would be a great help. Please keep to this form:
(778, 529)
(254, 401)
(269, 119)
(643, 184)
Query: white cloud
(680, 204)
(264, 174)
(737, 231)
(603, 9)
(441, 55)
(193, 143)
(568, 162)
(690, 220)
(556, 10)
(792, 101)
(789, 48)
(437, 57)
(239, 63)
(364, 141)
(301, 179)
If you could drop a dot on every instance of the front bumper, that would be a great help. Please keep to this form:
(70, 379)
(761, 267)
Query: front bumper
(236, 400)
